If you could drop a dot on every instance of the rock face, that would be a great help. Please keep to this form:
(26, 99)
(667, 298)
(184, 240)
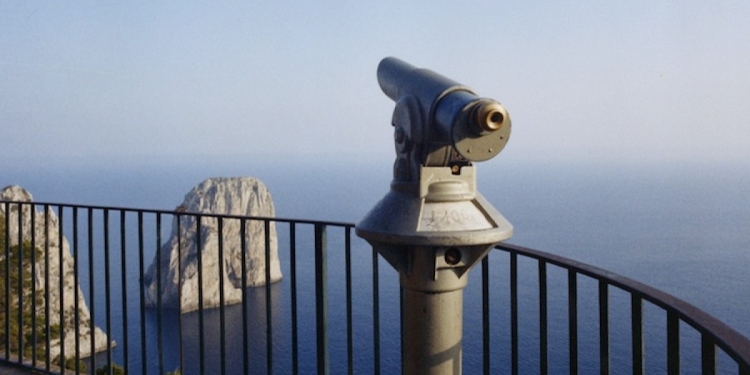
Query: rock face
(178, 257)
(16, 193)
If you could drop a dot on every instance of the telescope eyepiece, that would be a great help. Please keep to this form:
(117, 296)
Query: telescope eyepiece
(489, 116)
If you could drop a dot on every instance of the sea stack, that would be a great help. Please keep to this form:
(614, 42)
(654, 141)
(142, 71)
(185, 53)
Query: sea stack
(177, 260)
(47, 241)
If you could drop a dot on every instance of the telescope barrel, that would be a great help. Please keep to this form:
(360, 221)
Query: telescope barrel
(477, 128)
(398, 79)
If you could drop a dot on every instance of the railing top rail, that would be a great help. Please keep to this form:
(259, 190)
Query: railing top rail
(186, 213)
(728, 339)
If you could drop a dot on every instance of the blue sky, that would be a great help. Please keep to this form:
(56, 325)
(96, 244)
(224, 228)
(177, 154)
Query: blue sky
(582, 80)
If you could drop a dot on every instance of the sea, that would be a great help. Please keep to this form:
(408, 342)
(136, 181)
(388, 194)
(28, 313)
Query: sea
(681, 227)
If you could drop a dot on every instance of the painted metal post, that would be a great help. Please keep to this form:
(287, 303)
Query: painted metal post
(433, 225)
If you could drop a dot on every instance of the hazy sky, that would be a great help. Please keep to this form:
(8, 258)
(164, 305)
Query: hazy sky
(582, 80)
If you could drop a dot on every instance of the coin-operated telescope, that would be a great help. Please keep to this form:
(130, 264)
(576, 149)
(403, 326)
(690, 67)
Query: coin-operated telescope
(433, 226)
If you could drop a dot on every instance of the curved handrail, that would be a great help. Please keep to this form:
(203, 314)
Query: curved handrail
(729, 340)
(177, 213)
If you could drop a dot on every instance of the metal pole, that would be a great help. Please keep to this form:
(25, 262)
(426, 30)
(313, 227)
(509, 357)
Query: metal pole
(432, 332)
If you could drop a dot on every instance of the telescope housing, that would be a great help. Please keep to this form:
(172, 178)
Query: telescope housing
(458, 126)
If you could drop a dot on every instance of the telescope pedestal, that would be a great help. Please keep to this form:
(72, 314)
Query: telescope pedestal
(433, 234)
(433, 280)
(432, 332)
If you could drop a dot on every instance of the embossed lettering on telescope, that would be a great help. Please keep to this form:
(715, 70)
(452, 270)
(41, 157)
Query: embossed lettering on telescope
(442, 217)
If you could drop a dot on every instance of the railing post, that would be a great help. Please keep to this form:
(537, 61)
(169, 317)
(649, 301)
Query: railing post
(433, 226)
(673, 343)
(321, 298)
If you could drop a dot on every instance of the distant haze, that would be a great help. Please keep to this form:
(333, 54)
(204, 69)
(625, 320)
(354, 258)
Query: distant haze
(582, 80)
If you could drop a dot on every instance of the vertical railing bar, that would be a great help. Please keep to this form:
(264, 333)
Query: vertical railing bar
(243, 267)
(124, 291)
(222, 317)
(92, 282)
(61, 272)
(20, 284)
(673, 343)
(199, 253)
(514, 313)
(32, 211)
(142, 293)
(77, 289)
(486, 315)
(269, 315)
(7, 278)
(708, 355)
(637, 340)
(376, 312)
(159, 303)
(107, 288)
(543, 320)
(179, 292)
(47, 326)
(293, 270)
(401, 323)
(349, 314)
(321, 298)
(603, 328)
(573, 321)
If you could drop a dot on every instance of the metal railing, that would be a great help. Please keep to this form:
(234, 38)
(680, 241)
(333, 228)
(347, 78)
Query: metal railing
(335, 310)
(710, 337)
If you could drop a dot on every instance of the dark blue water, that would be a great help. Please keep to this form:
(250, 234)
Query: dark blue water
(683, 228)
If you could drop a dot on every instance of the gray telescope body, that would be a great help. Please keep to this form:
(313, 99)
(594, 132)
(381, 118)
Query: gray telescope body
(433, 225)
(440, 128)
(459, 126)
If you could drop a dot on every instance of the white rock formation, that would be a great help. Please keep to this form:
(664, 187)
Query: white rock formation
(16, 193)
(179, 255)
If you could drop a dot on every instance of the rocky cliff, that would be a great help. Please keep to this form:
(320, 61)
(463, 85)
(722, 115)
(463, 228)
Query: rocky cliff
(56, 249)
(178, 258)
